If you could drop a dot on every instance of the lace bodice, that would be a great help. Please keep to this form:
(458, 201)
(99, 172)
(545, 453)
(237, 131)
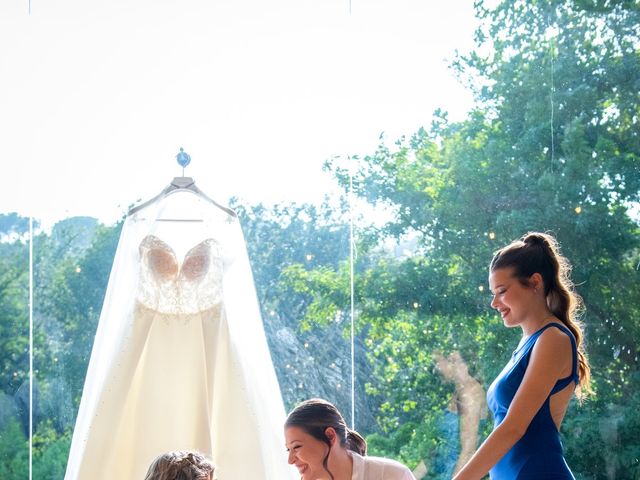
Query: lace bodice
(169, 287)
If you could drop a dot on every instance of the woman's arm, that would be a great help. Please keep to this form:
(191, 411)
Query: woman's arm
(550, 360)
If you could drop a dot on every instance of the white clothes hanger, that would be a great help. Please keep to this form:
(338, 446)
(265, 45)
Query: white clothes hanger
(181, 184)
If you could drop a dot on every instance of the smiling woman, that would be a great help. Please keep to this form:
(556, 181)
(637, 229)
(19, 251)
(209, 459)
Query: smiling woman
(321, 446)
(529, 279)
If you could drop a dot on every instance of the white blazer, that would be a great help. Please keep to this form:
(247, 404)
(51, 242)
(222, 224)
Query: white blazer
(376, 468)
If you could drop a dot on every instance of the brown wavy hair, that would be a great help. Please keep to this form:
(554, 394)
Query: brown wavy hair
(180, 465)
(540, 253)
(314, 416)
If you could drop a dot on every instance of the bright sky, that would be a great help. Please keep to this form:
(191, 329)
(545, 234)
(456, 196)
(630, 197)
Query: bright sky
(96, 97)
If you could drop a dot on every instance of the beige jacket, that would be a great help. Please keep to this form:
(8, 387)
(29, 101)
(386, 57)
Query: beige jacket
(376, 468)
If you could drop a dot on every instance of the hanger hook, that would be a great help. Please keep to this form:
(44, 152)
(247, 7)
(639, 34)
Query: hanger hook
(183, 159)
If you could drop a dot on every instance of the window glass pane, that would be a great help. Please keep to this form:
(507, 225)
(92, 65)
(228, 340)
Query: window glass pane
(545, 150)
(14, 345)
(383, 149)
(72, 262)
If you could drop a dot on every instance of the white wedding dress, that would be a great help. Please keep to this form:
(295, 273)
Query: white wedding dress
(180, 360)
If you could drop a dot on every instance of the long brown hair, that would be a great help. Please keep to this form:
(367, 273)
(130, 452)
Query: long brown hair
(180, 465)
(314, 416)
(540, 253)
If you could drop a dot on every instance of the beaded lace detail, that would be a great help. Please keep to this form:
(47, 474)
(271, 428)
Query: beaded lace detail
(169, 287)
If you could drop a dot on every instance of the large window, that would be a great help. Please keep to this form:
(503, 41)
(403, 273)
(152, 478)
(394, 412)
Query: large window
(377, 154)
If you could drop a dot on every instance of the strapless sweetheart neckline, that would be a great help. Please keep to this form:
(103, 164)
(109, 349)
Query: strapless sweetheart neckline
(163, 261)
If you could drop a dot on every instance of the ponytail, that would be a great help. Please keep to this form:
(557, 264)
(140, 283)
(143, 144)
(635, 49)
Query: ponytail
(356, 443)
(540, 253)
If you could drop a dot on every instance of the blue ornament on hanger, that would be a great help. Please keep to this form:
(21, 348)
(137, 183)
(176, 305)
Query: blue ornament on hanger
(183, 158)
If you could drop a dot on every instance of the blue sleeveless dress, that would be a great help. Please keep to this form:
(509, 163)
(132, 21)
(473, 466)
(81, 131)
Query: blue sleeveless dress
(538, 454)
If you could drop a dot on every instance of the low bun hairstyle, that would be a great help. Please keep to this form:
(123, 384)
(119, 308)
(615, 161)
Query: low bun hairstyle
(540, 253)
(315, 415)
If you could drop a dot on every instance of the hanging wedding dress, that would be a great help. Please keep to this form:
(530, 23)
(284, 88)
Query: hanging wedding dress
(180, 359)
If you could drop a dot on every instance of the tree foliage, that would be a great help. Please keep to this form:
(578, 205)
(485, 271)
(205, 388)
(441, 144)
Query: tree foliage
(552, 146)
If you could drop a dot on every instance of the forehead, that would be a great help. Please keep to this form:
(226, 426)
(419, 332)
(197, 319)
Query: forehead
(500, 276)
(295, 434)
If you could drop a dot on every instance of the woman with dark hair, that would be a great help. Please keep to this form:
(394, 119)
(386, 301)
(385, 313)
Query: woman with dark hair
(531, 288)
(180, 465)
(322, 447)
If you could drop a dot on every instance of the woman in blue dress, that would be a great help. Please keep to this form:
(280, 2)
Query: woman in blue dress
(531, 288)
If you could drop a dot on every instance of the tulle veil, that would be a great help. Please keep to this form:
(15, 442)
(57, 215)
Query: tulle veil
(182, 219)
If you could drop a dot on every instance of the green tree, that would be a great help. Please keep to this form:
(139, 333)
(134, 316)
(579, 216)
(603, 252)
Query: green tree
(14, 316)
(553, 146)
(14, 347)
(14, 452)
(284, 242)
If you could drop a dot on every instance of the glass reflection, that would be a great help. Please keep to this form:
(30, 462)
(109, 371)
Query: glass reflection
(541, 133)
(14, 345)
